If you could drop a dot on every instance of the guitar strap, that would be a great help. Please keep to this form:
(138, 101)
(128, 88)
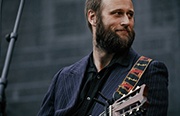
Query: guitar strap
(132, 77)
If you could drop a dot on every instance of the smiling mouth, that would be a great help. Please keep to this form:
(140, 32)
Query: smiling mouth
(122, 31)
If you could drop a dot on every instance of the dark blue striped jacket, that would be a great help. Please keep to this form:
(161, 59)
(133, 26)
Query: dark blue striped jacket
(62, 94)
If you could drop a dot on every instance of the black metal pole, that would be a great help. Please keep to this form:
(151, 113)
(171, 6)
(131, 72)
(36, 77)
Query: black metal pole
(3, 80)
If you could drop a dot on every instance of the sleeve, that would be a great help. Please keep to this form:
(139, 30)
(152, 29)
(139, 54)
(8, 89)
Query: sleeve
(47, 106)
(156, 79)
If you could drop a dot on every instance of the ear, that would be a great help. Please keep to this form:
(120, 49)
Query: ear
(92, 17)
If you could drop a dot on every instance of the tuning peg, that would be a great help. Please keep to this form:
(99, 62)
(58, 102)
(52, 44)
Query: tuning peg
(131, 91)
(130, 112)
(137, 109)
(134, 112)
(143, 111)
(123, 95)
(126, 114)
(139, 113)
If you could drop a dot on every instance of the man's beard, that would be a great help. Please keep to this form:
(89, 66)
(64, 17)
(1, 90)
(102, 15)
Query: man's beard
(109, 41)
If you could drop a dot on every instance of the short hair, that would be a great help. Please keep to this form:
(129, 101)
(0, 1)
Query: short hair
(94, 5)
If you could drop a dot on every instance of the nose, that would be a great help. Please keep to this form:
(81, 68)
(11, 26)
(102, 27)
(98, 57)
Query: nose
(125, 21)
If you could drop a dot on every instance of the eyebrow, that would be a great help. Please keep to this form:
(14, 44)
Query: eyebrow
(121, 10)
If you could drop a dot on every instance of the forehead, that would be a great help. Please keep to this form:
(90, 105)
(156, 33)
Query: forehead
(117, 4)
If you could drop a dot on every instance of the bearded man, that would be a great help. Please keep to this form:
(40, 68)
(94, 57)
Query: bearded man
(76, 89)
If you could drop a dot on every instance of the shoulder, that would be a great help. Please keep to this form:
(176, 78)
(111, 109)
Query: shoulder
(155, 67)
(158, 66)
(156, 73)
(77, 67)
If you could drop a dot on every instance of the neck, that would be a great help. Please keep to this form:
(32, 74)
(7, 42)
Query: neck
(101, 58)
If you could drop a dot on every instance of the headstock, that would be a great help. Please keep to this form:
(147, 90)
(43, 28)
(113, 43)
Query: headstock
(134, 103)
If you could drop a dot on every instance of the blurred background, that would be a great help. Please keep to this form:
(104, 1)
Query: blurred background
(53, 34)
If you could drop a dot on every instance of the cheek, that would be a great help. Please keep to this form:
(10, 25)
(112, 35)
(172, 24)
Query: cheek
(113, 25)
(132, 24)
(109, 21)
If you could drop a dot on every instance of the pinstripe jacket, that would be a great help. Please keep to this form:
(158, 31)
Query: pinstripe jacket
(61, 97)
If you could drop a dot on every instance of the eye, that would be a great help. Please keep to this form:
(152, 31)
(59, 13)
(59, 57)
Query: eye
(119, 13)
(130, 14)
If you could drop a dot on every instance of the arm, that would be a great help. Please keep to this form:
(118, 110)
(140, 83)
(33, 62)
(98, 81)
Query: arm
(156, 78)
(47, 107)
